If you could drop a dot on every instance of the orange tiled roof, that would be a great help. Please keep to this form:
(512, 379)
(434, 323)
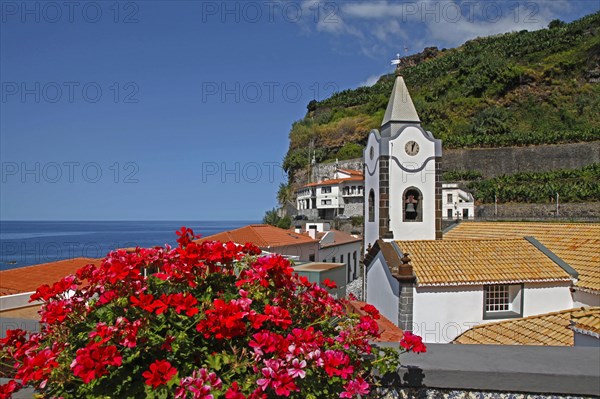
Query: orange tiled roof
(340, 238)
(578, 244)
(261, 235)
(437, 262)
(587, 319)
(29, 278)
(388, 330)
(551, 329)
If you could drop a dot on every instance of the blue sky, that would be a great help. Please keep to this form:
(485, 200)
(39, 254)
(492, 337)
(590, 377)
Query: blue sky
(180, 110)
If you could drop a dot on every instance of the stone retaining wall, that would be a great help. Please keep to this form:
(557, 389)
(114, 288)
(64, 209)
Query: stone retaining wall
(568, 211)
(508, 160)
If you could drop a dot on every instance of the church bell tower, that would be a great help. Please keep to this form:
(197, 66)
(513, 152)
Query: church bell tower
(402, 165)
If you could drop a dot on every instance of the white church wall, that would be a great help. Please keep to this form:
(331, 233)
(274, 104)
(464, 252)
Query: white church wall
(440, 314)
(423, 180)
(383, 289)
(371, 171)
(546, 297)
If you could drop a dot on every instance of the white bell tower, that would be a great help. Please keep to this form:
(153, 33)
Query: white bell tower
(402, 175)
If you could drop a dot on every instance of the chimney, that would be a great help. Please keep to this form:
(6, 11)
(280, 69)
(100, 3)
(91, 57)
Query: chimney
(298, 229)
(312, 232)
(405, 269)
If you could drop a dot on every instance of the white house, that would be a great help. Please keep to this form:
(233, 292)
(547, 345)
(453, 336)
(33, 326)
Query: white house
(439, 289)
(576, 245)
(457, 203)
(335, 247)
(341, 195)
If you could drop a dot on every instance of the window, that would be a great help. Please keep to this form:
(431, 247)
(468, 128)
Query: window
(325, 190)
(311, 257)
(326, 202)
(342, 258)
(503, 301)
(349, 267)
(333, 260)
(371, 206)
(413, 205)
(496, 299)
(449, 198)
(465, 213)
(449, 214)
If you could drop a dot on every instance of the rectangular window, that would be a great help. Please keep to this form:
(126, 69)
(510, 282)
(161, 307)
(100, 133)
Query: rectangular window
(325, 190)
(341, 258)
(333, 260)
(449, 198)
(311, 257)
(503, 301)
(326, 202)
(465, 213)
(496, 299)
(449, 213)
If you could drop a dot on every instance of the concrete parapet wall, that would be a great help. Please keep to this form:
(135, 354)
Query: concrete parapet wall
(495, 371)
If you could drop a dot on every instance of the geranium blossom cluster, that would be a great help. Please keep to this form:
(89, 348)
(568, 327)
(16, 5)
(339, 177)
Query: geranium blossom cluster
(203, 320)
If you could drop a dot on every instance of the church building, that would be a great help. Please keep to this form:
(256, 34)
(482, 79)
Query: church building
(402, 175)
(478, 273)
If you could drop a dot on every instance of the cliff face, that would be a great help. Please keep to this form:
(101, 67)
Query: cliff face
(516, 89)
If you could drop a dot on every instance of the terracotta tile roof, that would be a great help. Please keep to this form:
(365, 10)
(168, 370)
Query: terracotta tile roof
(587, 320)
(261, 235)
(578, 244)
(335, 181)
(339, 238)
(29, 278)
(460, 262)
(550, 329)
(388, 330)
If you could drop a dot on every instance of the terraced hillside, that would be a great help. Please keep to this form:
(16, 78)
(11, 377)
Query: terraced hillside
(515, 89)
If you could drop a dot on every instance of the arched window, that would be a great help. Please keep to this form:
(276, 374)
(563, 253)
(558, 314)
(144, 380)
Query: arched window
(371, 206)
(413, 205)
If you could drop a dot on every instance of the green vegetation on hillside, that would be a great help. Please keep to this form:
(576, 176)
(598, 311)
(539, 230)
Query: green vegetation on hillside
(574, 185)
(520, 88)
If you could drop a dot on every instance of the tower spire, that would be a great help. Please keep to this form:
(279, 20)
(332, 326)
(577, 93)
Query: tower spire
(400, 107)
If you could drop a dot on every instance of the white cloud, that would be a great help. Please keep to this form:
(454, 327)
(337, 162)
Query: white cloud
(382, 28)
(370, 81)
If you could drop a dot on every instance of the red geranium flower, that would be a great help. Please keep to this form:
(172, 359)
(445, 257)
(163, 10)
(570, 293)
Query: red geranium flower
(160, 373)
(412, 342)
(329, 284)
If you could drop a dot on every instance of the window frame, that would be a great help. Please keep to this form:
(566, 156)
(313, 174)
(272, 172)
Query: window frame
(516, 293)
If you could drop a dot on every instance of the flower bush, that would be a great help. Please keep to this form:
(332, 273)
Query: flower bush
(203, 320)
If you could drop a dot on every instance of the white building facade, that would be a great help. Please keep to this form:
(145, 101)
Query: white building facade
(336, 247)
(457, 203)
(439, 312)
(341, 195)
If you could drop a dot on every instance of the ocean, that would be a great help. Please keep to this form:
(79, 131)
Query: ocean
(24, 243)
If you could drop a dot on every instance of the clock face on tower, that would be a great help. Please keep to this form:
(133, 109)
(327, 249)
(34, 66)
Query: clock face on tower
(412, 148)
